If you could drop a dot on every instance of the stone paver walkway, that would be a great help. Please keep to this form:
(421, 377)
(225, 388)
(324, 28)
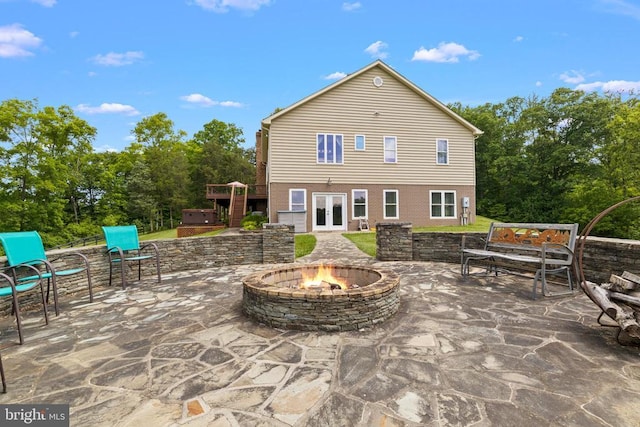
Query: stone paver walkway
(472, 353)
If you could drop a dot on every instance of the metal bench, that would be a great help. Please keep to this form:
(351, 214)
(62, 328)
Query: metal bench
(518, 248)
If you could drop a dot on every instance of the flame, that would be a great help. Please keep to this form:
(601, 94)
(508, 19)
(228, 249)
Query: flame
(324, 274)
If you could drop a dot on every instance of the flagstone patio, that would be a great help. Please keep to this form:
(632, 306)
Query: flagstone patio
(181, 353)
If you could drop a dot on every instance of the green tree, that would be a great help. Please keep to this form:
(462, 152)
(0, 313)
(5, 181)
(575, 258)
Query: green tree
(42, 151)
(164, 152)
(217, 156)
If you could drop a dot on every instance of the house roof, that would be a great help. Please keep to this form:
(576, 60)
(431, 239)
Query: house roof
(266, 122)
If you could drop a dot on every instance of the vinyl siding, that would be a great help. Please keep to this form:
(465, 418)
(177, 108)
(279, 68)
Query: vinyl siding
(349, 109)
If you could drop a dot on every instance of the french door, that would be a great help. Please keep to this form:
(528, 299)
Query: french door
(329, 212)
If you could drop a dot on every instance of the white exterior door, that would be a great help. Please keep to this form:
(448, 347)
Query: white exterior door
(329, 212)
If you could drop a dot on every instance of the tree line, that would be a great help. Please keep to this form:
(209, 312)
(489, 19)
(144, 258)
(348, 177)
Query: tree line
(53, 181)
(561, 158)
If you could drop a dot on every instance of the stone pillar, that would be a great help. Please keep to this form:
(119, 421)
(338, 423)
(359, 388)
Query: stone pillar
(278, 243)
(394, 241)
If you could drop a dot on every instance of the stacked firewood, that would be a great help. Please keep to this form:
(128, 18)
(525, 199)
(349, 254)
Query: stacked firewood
(620, 300)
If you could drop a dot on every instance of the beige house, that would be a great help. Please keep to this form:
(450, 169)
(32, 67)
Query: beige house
(372, 147)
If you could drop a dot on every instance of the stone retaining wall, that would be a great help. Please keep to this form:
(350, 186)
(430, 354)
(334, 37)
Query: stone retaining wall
(273, 244)
(602, 257)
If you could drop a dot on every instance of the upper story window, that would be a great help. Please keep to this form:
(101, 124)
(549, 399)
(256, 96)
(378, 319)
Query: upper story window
(391, 204)
(359, 198)
(359, 142)
(390, 149)
(442, 151)
(297, 199)
(329, 148)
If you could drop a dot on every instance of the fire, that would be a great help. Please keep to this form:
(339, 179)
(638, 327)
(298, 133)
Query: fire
(323, 279)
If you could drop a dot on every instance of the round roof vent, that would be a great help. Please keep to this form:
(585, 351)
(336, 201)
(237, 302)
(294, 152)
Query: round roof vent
(377, 81)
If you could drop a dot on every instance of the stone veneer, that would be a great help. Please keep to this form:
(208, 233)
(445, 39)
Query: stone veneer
(602, 256)
(273, 244)
(273, 298)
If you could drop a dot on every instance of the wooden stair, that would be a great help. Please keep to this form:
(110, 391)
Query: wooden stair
(237, 205)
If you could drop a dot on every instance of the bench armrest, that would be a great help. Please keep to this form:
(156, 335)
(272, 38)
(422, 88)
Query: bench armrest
(565, 248)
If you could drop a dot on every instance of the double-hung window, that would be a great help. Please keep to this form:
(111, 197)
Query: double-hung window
(442, 151)
(443, 204)
(390, 149)
(297, 199)
(359, 200)
(329, 148)
(391, 204)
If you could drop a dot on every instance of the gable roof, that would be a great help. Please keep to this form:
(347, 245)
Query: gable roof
(266, 122)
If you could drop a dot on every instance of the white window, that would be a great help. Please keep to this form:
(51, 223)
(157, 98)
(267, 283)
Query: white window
(359, 203)
(359, 142)
(329, 148)
(442, 151)
(390, 149)
(391, 204)
(297, 199)
(443, 204)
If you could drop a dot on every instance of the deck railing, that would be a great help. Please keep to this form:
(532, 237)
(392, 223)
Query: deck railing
(215, 191)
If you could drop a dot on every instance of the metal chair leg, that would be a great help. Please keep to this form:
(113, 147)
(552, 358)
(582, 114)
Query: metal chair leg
(4, 381)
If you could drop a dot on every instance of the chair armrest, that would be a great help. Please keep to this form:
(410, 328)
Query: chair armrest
(37, 274)
(69, 255)
(152, 244)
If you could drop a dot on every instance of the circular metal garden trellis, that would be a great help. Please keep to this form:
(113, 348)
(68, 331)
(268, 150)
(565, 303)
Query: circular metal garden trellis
(629, 322)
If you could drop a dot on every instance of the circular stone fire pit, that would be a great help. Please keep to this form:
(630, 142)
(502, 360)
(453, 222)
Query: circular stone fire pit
(275, 298)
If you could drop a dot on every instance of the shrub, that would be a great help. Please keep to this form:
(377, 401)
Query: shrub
(253, 222)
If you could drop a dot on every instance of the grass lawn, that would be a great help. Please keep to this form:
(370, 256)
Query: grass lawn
(366, 242)
(304, 244)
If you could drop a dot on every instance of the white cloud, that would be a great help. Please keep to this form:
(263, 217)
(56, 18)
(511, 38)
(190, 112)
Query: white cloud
(620, 86)
(376, 49)
(445, 52)
(233, 104)
(108, 108)
(222, 6)
(349, 7)
(205, 101)
(335, 76)
(113, 59)
(196, 98)
(45, 3)
(538, 83)
(15, 41)
(518, 39)
(572, 77)
(621, 7)
(74, 34)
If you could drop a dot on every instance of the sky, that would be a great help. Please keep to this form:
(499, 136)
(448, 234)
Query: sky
(116, 62)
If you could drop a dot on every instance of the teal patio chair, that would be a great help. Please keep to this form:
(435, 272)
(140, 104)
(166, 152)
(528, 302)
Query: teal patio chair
(123, 246)
(10, 288)
(25, 247)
